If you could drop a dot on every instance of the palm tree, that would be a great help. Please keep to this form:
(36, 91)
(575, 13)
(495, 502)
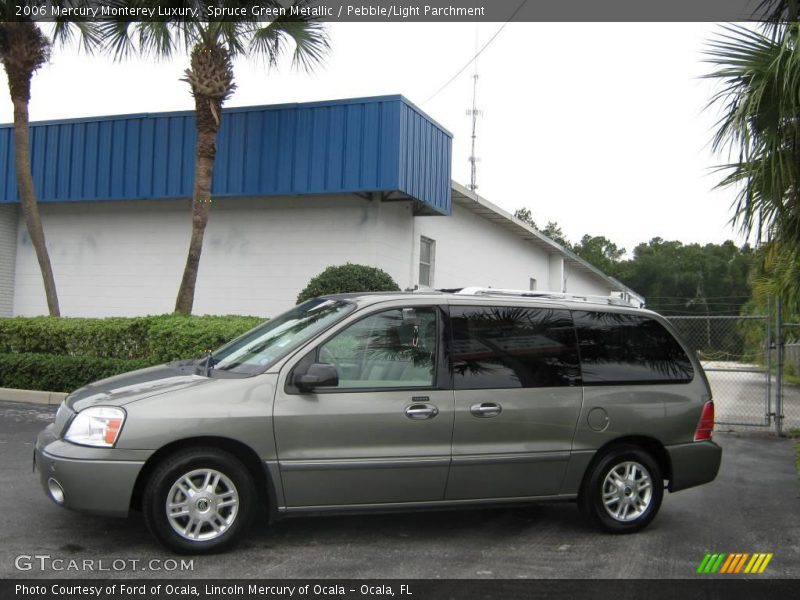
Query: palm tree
(759, 71)
(24, 48)
(212, 46)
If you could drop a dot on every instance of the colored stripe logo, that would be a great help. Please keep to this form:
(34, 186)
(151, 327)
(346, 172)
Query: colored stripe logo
(735, 563)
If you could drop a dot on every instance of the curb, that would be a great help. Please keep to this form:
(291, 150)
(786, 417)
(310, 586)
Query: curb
(32, 396)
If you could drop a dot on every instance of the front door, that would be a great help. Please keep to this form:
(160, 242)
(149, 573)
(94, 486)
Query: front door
(383, 434)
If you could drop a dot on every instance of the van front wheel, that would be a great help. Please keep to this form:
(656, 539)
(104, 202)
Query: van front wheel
(623, 491)
(199, 500)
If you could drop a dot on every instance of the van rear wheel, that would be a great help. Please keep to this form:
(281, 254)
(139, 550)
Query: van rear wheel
(199, 500)
(623, 491)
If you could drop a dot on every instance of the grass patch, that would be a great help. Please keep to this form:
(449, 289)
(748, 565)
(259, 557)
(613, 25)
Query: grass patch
(791, 380)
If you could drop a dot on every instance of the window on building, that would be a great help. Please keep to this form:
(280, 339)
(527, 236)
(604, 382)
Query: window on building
(427, 248)
(620, 348)
(393, 348)
(532, 284)
(511, 347)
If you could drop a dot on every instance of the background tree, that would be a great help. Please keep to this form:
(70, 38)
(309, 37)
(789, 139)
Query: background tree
(551, 230)
(212, 46)
(690, 279)
(24, 49)
(524, 215)
(601, 252)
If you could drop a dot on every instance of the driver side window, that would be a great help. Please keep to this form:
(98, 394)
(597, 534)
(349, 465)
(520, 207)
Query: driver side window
(390, 349)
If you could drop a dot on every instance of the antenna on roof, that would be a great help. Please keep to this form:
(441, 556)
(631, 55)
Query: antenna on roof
(474, 113)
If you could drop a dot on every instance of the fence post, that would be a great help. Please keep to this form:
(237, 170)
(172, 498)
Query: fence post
(768, 407)
(779, 367)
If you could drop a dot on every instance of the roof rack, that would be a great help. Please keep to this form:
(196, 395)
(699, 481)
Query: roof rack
(487, 291)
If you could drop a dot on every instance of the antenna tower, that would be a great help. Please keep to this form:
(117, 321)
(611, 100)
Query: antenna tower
(474, 113)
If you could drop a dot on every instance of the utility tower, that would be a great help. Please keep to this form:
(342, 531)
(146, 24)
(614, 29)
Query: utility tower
(474, 113)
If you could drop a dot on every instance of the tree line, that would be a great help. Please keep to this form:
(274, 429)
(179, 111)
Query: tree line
(675, 278)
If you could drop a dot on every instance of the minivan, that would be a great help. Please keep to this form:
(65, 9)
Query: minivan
(394, 401)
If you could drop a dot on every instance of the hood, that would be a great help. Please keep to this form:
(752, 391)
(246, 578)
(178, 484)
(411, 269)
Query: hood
(137, 385)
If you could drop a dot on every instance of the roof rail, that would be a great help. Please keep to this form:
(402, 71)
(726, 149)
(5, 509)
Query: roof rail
(487, 291)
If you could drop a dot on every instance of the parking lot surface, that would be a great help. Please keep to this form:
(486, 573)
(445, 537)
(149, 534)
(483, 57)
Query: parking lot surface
(753, 506)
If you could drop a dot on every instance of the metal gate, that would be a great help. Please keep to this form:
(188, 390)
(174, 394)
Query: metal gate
(734, 353)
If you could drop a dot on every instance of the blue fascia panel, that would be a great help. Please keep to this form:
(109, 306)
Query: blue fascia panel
(363, 145)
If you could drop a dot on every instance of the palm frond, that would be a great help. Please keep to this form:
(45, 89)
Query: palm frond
(759, 94)
(308, 35)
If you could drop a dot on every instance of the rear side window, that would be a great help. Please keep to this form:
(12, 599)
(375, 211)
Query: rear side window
(496, 347)
(622, 348)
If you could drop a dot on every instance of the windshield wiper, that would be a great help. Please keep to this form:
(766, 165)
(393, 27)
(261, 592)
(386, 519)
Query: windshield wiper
(209, 363)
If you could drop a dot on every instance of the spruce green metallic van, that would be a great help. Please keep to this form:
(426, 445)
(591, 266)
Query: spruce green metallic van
(393, 401)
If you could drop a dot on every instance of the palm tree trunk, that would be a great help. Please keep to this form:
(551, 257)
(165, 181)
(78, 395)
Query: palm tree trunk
(205, 154)
(27, 198)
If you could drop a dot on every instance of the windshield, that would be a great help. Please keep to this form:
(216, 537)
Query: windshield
(257, 349)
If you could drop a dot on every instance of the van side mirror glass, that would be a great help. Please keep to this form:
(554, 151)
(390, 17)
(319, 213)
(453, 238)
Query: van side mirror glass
(317, 375)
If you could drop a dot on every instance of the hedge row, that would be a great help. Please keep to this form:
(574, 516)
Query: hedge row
(60, 355)
(157, 339)
(53, 373)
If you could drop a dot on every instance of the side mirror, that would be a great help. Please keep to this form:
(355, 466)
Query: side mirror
(318, 375)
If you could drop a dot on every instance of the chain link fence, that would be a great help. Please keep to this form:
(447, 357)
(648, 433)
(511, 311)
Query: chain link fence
(791, 376)
(741, 370)
(733, 353)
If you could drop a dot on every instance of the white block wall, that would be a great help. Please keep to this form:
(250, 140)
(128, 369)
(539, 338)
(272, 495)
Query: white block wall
(580, 281)
(471, 251)
(8, 257)
(126, 258)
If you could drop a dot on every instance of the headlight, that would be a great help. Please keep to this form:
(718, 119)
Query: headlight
(96, 426)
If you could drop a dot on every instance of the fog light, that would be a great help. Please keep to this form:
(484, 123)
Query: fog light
(56, 491)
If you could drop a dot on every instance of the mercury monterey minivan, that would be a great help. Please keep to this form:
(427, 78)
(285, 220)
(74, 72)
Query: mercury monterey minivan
(387, 401)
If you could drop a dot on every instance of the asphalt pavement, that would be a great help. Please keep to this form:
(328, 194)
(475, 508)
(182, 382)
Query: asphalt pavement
(753, 506)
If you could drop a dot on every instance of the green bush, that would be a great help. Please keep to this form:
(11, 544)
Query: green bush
(160, 338)
(31, 371)
(185, 336)
(348, 278)
(43, 353)
(109, 338)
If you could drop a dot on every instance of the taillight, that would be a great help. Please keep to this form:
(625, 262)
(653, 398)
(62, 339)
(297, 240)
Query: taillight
(706, 424)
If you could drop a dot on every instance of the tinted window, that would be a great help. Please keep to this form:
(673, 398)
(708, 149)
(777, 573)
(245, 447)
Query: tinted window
(393, 348)
(620, 348)
(510, 347)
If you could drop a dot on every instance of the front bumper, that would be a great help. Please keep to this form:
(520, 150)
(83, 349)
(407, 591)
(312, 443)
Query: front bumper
(94, 480)
(693, 464)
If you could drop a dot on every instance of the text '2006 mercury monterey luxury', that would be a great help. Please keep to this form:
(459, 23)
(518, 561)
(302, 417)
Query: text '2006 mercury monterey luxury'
(391, 401)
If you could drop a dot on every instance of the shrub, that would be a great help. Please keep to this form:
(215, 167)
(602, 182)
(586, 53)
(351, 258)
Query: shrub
(110, 338)
(43, 353)
(159, 338)
(35, 371)
(186, 336)
(348, 278)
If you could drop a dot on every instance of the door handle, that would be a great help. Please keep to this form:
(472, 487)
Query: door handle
(486, 409)
(421, 411)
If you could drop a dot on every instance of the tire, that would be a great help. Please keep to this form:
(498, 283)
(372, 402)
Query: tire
(622, 491)
(213, 497)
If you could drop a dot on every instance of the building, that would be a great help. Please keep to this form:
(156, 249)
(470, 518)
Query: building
(296, 188)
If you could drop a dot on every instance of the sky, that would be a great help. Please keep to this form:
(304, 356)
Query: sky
(601, 127)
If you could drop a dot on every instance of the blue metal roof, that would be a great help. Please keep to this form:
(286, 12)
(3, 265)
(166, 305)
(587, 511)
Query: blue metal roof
(382, 144)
